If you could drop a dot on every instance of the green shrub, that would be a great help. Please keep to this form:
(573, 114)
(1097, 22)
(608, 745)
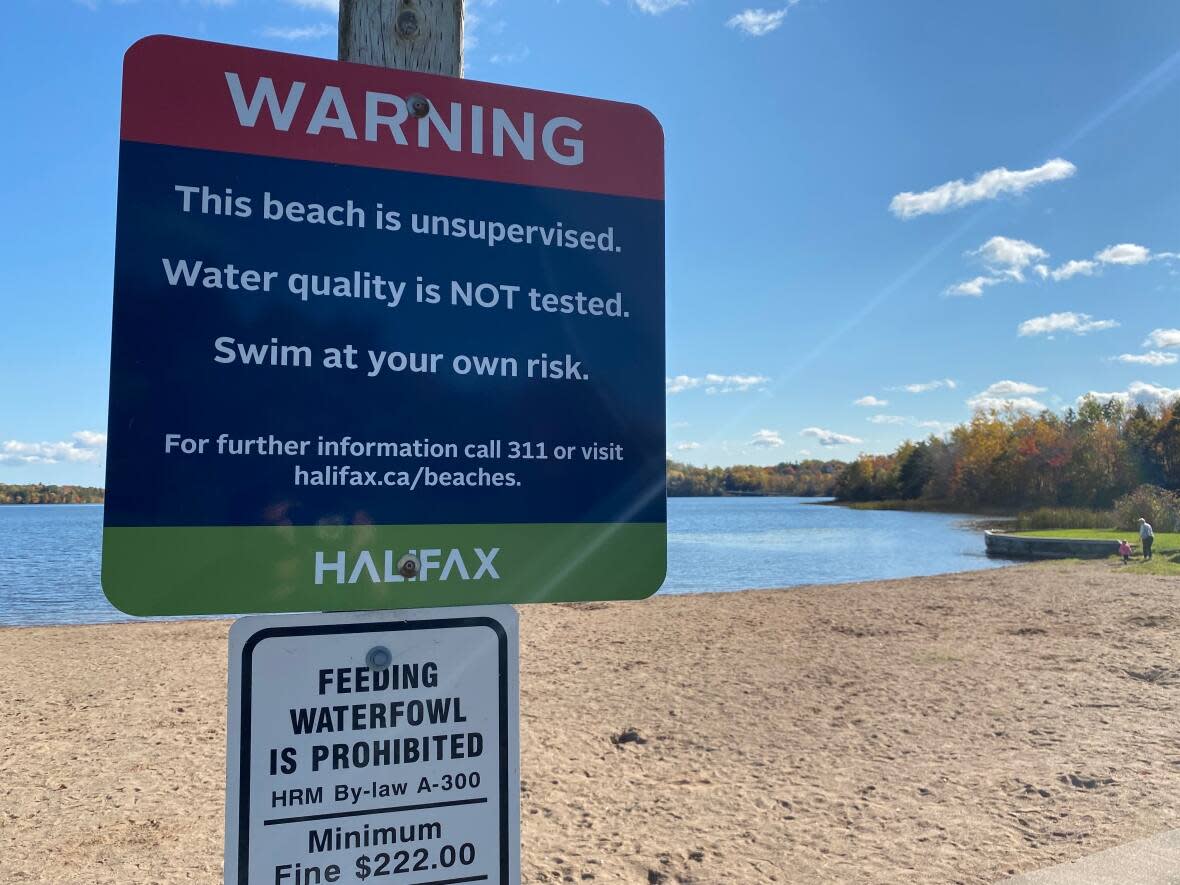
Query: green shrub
(1064, 518)
(1158, 506)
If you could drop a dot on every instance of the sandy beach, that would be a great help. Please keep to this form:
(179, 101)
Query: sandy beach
(948, 729)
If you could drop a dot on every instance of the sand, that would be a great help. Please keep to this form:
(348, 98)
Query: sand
(947, 729)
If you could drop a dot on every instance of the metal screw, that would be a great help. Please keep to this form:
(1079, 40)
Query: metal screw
(418, 105)
(407, 25)
(379, 658)
(408, 566)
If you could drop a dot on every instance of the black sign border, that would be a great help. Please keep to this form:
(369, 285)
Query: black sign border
(244, 730)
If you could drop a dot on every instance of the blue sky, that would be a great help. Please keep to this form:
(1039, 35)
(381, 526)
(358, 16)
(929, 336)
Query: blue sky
(920, 206)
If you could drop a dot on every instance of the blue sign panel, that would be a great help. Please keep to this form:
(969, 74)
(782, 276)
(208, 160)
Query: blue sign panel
(347, 338)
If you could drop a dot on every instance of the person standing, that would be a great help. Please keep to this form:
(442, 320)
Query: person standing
(1147, 536)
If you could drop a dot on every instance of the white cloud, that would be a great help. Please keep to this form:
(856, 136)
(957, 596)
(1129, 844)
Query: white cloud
(986, 186)
(304, 32)
(472, 21)
(1068, 321)
(936, 426)
(758, 22)
(1008, 388)
(1121, 253)
(1018, 403)
(658, 7)
(734, 383)
(898, 420)
(687, 446)
(767, 439)
(324, 5)
(715, 383)
(1072, 269)
(510, 58)
(870, 402)
(1124, 253)
(1163, 338)
(1008, 394)
(680, 383)
(85, 446)
(474, 24)
(1151, 358)
(973, 287)
(926, 386)
(1006, 258)
(1009, 256)
(1139, 393)
(1152, 394)
(90, 438)
(830, 437)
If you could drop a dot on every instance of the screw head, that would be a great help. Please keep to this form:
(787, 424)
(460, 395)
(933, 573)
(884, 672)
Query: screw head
(418, 105)
(408, 566)
(379, 658)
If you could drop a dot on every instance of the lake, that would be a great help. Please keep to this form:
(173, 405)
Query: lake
(50, 554)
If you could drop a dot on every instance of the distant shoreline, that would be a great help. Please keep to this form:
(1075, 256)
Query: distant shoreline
(922, 506)
(52, 503)
(752, 495)
(42, 493)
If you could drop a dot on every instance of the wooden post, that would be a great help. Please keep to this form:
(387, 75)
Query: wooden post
(414, 35)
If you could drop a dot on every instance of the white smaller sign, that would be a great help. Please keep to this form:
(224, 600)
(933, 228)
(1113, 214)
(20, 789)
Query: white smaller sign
(374, 747)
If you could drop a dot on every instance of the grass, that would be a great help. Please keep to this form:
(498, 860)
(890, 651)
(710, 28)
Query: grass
(1166, 550)
(1057, 518)
(922, 505)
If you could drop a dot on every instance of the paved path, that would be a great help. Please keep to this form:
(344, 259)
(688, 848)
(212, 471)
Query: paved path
(1151, 861)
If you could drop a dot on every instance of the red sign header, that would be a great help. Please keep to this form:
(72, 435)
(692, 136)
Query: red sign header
(190, 93)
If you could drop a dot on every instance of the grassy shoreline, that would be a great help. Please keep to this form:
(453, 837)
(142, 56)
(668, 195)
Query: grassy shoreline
(922, 506)
(1166, 559)
(1166, 550)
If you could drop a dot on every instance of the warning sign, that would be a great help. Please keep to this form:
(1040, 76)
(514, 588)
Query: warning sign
(363, 314)
(363, 747)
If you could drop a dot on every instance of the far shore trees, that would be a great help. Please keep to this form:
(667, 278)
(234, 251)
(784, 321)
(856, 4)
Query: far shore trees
(42, 494)
(1087, 458)
(806, 479)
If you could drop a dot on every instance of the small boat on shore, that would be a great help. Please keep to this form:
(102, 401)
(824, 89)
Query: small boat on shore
(1026, 547)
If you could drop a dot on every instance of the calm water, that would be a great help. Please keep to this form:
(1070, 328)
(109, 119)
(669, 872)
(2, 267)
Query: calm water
(49, 555)
(719, 544)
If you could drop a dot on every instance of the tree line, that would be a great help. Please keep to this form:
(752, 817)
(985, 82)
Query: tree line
(805, 479)
(43, 494)
(1088, 457)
